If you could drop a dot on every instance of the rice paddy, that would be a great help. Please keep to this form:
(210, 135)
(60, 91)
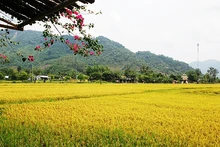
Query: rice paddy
(55, 114)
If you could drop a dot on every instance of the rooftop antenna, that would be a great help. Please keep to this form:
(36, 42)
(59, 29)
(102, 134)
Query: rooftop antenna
(197, 55)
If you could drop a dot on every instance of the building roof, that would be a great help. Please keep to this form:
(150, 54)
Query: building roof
(184, 77)
(29, 11)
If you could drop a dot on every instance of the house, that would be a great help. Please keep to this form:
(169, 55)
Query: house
(41, 77)
(184, 78)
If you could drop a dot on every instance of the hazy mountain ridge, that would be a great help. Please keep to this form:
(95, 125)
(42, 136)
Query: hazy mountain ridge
(204, 65)
(115, 56)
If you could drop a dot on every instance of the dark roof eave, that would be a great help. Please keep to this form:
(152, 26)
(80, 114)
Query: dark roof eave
(49, 12)
(41, 16)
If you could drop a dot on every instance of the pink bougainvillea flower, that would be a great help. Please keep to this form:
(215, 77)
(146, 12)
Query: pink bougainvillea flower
(69, 12)
(75, 12)
(82, 24)
(72, 27)
(75, 47)
(31, 58)
(3, 56)
(99, 53)
(79, 17)
(76, 37)
(48, 45)
(45, 39)
(83, 44)
(52, 41)
(67, 42)
(37, 47)
(91, 53)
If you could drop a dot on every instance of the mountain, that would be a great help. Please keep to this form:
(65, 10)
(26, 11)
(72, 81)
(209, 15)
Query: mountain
(204, 66)
(115, 56)
(162, 63)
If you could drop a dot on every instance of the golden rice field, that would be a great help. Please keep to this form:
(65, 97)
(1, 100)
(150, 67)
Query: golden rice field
(55, 114)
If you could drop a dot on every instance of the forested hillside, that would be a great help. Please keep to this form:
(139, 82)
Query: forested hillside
(60, 58)
(163, 64)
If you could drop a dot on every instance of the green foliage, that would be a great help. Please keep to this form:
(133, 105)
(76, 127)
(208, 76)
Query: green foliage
(211, 75)
(1, 76)
(130, 73)
(96, 72)
(163, 64)
(194, 75)
(72, 23)
(82, 77)
(59, 60)
(14, 73)
(22, 75)
(110, 76)
(145, 70)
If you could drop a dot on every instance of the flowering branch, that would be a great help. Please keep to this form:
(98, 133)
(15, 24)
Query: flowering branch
(82, 43)
(5, 41)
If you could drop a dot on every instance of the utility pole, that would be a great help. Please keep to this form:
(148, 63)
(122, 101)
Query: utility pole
(197, 55)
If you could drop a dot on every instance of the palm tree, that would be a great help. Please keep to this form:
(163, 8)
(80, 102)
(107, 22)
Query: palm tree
(198, 74)
(213, 73)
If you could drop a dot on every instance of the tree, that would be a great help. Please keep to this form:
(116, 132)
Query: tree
(206, 78)
(13, 75)
(19, 68)
(145, 70)
(192, 76)
(22, 75)
(96, 72)
(95, 76)
(110, 76)
(212, 72)
(173, 77)
(82, 77)
(99, 72)
(72, 74)
(36, 71)
(130, 74)
(199, 74)
(1, 76)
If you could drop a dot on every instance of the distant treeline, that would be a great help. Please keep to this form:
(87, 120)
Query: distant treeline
(103, 73)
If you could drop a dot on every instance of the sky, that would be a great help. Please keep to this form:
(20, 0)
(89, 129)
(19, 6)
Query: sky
(169, 27)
